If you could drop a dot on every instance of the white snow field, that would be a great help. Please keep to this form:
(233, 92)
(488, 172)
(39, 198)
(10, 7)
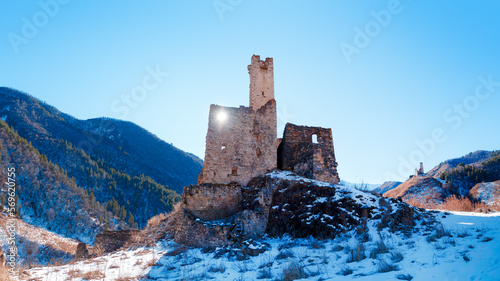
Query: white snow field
(466, 248)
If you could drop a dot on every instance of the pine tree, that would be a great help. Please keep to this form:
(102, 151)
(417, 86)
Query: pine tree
(131, 220)
(123, 214)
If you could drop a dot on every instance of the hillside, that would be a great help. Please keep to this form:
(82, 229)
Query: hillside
(473, 158)
(37, 245)
(464, 247)
(487, 192)
(43, 194)
(465, 176)
(115, 161)
(386, 186)
(454, 177)
(336, 233)
(421, 188)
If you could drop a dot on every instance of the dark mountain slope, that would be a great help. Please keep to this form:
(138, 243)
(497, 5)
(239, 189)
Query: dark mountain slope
(475, 157)
(464, 177)
(124, 167)
(44, 195)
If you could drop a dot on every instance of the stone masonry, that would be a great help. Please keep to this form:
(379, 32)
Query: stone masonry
(241, 142)
(209, 201)
(308, 152)
(261, 81)
(212, 215)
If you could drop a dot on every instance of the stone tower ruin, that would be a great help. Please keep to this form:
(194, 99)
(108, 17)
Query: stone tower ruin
(261, 82)
(241, 141)
(241, 145)
(308, 152)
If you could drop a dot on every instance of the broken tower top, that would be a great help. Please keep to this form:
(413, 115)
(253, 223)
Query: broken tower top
(261, 82)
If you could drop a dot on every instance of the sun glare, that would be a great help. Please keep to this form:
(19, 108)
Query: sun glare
(222, 116)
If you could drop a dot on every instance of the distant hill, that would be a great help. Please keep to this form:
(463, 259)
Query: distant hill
(464, 176)
(127, 170)
(473, 158)
(479, 169)
(386, 186)
(421, 188)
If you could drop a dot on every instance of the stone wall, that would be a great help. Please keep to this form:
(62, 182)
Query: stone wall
(194, 232)
(204, 219)
(299, 153)
(212, 201)
(240, 147)
(111, 241)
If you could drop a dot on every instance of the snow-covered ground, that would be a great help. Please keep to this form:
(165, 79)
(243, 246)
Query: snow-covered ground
(471, 251)
(35, 244)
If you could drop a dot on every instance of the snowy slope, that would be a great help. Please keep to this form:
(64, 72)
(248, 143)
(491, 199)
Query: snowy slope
(362, 185)
(488, 192)
(468, 254)
(36, 245)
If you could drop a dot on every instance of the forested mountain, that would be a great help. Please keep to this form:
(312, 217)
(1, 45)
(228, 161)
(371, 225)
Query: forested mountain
(123, 167)
(472, 158)
(465, 176)
(43, 194)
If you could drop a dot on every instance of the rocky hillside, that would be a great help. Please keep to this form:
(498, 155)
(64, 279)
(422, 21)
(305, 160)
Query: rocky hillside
(487, 192)
(421, 188)
(452, 177)
(302, 208)
(116, 162)
(282, 203)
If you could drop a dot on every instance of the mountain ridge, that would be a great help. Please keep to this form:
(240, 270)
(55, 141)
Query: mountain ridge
(128, 170)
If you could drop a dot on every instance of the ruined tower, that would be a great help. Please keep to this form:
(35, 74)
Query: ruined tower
(261, 82)
(241, 141)
(308, 152)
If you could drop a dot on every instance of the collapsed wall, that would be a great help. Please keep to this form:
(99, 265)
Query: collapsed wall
(308, 152)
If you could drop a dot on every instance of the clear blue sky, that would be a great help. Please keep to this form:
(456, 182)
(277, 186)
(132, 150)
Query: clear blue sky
(384, 75)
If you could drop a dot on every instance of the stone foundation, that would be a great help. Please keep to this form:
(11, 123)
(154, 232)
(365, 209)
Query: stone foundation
(204, 220)
(212, 201)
